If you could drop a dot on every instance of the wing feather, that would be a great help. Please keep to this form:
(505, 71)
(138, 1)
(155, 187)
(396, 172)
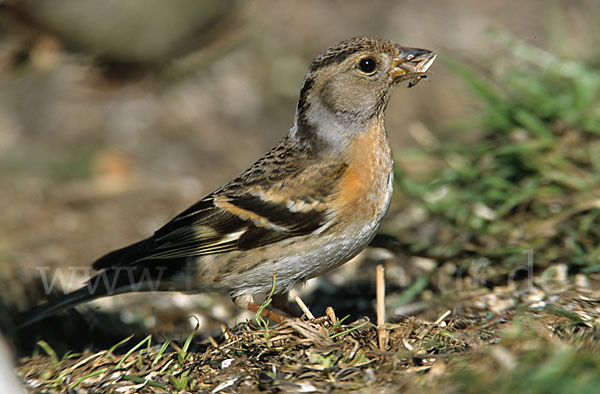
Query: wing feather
(240, 215)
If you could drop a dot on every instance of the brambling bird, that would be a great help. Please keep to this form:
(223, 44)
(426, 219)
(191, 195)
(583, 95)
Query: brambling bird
(310, 204)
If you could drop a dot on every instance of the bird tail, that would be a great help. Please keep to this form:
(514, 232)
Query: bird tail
(52, 307)
(108, 282)
(111, 281)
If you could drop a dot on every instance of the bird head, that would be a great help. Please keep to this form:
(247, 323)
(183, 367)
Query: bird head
(350, 83)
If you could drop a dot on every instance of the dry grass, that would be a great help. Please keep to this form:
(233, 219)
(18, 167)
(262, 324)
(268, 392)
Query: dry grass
(486, 340)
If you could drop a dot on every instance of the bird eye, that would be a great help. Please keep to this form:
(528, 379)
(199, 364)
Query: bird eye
(367, 65)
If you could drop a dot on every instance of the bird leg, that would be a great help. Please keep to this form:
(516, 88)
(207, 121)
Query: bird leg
(281, 302)
(246, 301)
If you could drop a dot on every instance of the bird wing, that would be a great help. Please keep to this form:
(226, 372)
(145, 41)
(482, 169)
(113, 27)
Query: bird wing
(269, 202)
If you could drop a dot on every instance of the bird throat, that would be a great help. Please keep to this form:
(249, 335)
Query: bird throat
(317, 125)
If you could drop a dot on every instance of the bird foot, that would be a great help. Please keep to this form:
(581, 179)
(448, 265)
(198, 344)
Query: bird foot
(246, 302)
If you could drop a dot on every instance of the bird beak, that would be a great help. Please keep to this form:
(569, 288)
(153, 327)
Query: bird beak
(412, 64)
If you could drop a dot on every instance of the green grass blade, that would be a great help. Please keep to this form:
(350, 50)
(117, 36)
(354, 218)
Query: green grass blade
(133, 349)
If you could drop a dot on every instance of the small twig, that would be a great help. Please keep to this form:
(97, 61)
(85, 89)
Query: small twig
(304, 308)
(381, 331)
(435, 323)
(442, 317)
(407, 345)
(213, 342)
(225, 332)
(331, 314)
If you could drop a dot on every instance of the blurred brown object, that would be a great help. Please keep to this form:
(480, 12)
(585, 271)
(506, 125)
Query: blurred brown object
(114, 170)
(128, 38)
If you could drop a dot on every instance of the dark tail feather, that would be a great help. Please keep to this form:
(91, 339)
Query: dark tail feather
(113, 281)
(121, 256)
(50, 308)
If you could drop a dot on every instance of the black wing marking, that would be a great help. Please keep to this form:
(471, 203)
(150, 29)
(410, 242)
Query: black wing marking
(279, 214)
(203, 230)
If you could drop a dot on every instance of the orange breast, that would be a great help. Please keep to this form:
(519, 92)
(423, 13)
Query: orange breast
(352, 185)
(364, 187)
